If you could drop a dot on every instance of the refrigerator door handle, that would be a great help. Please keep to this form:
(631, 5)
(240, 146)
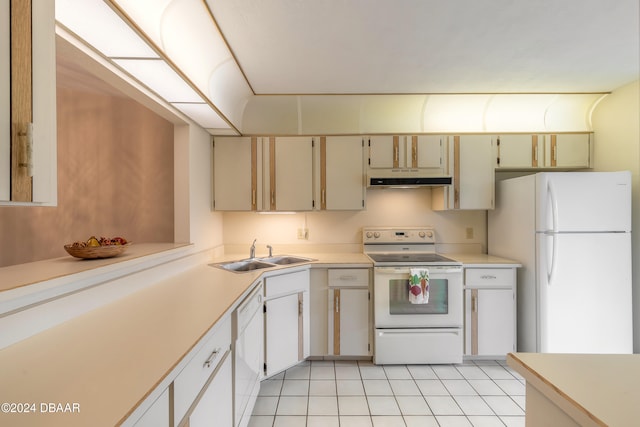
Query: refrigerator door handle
(552, 268)
(552, 207)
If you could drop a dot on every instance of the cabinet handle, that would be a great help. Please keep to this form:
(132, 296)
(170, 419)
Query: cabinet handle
(212, 357)
(299, 307)
(273, 198)
(323, 196)
(396, 154)
(253, 198)
(488, 277)
(350, 278)
(474, 304)
(336, 301)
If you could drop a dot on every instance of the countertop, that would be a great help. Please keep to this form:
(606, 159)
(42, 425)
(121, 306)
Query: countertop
(109, 359)
(594, 389)
(482, 260)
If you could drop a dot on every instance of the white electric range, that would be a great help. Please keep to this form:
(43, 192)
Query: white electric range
(418, 297)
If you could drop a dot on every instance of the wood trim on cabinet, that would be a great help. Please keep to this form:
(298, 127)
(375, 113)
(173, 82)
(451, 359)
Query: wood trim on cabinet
(21, 98)
(456, 172)
(414, 151)
(534, 151)
(336, 322)
(396, 152)
(272, 173)
(554, 148)
(323, 173)
(254, 173)
(474, 321)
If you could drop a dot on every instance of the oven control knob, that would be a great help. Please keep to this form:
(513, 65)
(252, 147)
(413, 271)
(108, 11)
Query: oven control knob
(369, 234)
(421, 234)
(429, 234)
(376, 234)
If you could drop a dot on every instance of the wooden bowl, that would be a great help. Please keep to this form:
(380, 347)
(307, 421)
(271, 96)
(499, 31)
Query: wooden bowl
(93, 252)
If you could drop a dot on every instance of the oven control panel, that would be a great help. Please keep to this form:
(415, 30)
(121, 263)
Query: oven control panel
(383, 235)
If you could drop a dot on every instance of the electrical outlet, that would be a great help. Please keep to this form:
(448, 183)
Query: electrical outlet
(469, 232)
(303, 233)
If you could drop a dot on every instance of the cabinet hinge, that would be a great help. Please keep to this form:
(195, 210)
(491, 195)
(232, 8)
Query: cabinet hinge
(265, 369)
(313, 203)
(363, 203)
(264, 308)
(368, 347)
(313, 142)
(498, 161)
(369, 296)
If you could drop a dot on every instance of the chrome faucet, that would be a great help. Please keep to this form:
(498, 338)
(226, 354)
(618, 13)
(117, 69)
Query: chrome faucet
(270, 250)
(252, 250)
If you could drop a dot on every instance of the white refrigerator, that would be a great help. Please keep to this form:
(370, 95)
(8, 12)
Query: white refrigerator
(572, 233)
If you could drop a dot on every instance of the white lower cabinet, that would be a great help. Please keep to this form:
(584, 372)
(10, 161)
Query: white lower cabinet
(490, 311)
(203, 390)
(286, 321)
(158, 413)
(215, 405)
(349, 316)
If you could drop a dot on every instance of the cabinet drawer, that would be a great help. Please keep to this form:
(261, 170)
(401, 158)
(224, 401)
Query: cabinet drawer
(489, 277)
(348, 278)
(285, 284)
(192, 378)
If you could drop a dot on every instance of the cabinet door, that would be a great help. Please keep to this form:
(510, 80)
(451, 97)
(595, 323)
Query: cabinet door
(215, 407)
(384, 152)
(158, 414)
(426, 152)
(517, 151)
(291, 174)
(568, 150)
(283, 320)
(234, 174)
(490, 322)
(342, 173)
(350, 332)
(474, 176)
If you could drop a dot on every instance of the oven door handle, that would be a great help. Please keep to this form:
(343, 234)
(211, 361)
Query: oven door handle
(407, 270)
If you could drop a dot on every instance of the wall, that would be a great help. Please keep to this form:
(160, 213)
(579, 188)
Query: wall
(616, 122)
(115, 177)
(385, 207)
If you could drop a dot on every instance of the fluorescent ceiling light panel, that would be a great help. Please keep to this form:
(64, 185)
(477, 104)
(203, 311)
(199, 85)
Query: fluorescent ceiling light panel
(160, 78)
(202, 114)
(97, 24)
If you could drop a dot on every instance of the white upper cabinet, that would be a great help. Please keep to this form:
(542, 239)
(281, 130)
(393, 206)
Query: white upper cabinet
(517, 151)
(235, 174)
(470, 162)
(384, 152)
(568, 150)
(28, 155)
(551, 151)
(290, 171)
(405, 152)
(342, 175)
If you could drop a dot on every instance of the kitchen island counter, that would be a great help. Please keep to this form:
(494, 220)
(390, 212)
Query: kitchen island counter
(580, 389)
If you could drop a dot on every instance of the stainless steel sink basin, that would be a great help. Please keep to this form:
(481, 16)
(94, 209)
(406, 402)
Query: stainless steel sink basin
(285, 259)
(251, 264)
(244, 265)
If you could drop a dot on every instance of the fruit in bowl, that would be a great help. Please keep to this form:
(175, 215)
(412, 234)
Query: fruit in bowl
(94, 247)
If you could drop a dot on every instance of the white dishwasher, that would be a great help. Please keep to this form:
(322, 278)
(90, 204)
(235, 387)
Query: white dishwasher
(248, 338)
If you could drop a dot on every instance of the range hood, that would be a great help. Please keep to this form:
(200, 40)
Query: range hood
(408, 180)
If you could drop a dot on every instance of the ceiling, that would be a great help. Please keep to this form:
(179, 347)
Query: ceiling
(432, 46)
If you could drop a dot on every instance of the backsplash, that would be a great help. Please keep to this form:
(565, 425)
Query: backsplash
(388, 207)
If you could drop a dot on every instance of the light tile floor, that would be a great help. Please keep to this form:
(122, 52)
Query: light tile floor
(360, 394)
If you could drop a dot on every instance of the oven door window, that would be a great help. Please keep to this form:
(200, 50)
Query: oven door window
(399, 301)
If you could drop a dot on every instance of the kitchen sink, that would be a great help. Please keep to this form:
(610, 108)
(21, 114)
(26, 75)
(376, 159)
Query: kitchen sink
(285, 259)
(244, 265)
(251, 264)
